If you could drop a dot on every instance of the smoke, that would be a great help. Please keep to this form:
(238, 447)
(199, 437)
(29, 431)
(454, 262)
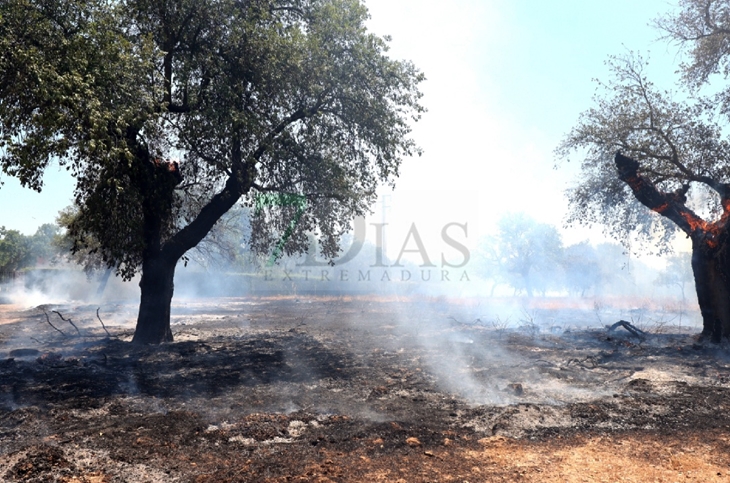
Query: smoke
(464, 328)
(463, 325)
(62, 313)
(64, 285)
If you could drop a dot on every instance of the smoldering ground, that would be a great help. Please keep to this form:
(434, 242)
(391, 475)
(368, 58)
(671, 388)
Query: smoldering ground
(271, 382)
(462, 342)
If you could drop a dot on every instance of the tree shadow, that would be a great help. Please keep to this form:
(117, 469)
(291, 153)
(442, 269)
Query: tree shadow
(177, 370)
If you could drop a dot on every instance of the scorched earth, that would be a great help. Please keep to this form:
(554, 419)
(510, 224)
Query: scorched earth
(356, 389)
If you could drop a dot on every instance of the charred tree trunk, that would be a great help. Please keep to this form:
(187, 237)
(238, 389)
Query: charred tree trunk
(158, 266)
(710, 244)
(710, 269)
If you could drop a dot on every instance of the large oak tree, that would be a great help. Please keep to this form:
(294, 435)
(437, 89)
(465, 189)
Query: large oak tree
(168, 113)
(655, 162)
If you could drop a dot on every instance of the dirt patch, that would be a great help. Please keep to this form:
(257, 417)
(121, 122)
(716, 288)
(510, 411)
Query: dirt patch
(356, 389)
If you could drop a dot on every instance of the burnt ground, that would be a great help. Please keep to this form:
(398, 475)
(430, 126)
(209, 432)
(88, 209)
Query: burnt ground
(356, 389)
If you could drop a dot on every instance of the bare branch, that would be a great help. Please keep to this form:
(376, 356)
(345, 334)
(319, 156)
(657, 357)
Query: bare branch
(48, 319)
(102, 323)
(67, 320)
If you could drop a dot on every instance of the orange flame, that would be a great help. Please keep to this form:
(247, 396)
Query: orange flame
(709, 230)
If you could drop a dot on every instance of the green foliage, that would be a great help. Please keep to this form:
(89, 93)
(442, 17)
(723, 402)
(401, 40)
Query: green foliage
(14, 250)
(83, 251)
(677, 143)
(41, 243)
(251, 97)
(701, 27)
(679, 137)
(19, 251)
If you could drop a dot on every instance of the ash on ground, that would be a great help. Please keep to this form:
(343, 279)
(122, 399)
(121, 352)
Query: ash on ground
(344, 389)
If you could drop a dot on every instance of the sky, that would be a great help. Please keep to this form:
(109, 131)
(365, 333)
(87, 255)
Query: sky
(506, 80)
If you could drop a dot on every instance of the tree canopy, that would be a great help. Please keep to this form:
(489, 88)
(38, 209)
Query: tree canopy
(18, 251)
(667, 151)
(296, 96)
(170, 112)
(679, 137)
(523, 253)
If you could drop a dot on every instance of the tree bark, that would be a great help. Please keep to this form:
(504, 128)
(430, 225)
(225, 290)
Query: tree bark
(160, 259)
(158, 182)
(153, 321)
(710, 246)
(710, 268)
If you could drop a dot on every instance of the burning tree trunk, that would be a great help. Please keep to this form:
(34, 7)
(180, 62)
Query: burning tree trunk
(710, 243)
(710, 268)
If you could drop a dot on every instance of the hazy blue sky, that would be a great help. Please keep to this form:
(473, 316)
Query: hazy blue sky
(506, 80)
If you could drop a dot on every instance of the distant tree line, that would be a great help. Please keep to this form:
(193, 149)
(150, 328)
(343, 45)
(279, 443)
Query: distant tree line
(18, 251)
(52, 245)
(530, 258)
(522, 256)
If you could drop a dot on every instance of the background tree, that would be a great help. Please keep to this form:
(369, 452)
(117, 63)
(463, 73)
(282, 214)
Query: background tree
(18, 251)
(524, 254)
(581, 268)
(667, 152)
(169, 113)
(41, 244)
(14, 250)
(677, 273)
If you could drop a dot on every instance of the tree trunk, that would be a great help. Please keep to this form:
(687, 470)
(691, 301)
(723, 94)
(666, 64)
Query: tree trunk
(158, 265)
(710, 243)
(710, 268)
(160, 257)
(153, 321)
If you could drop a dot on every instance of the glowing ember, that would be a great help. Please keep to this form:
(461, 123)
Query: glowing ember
(662, 208)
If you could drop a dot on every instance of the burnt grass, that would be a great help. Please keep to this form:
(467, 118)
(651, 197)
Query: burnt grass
(260, 392)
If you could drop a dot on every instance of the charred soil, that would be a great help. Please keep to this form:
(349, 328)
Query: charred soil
(353, 389)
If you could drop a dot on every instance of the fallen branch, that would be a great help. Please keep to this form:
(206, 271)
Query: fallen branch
(102, 322)
(67, 320)
(49, 323)
(635, 331)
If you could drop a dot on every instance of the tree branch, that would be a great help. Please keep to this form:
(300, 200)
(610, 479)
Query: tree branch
(238, 183)
(669, 205)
